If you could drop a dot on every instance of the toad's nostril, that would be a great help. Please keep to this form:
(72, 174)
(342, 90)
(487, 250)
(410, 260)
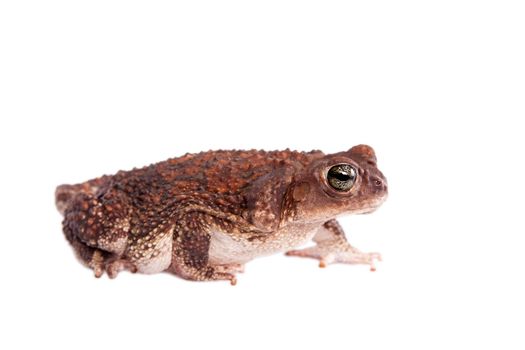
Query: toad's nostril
(378, 182)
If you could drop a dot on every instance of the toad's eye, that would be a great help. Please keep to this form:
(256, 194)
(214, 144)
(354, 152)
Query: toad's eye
(341, 177)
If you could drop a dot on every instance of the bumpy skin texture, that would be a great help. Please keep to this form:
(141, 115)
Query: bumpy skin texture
(203, 216)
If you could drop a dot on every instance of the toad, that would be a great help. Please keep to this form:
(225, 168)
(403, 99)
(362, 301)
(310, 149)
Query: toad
(203, 216)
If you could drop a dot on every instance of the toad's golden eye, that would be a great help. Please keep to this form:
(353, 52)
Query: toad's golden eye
(341, 177)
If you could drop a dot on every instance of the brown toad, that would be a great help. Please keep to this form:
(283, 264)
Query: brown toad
(203, 216)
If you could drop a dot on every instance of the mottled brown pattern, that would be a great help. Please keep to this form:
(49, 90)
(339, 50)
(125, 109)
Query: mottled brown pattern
(228, 206)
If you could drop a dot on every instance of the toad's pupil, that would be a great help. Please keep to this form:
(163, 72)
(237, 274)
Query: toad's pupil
(341, 177)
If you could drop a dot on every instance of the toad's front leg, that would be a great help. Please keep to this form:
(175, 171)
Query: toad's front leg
(191, 243)
(332, 247)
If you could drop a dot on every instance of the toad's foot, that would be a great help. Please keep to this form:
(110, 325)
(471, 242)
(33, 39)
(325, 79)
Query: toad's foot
(220, 276)
(230, 268)
(228, 272)
(111, 266)
(329, 252)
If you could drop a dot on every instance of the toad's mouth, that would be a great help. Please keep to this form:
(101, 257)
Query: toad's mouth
(372, 206)
(369, 210)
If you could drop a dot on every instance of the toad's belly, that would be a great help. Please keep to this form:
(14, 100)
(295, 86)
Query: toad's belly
(232, 249)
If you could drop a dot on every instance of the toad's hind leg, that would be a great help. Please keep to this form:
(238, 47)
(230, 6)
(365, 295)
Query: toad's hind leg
(89, 256)
(191, 243)
(97, 259)
(97, 228)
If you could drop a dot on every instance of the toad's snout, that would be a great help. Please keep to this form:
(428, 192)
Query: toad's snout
(379, 185)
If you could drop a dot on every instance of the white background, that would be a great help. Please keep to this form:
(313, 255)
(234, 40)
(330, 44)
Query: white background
(437, 87)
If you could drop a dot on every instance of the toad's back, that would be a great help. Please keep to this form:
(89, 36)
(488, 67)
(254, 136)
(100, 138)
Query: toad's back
(212, 175)
(218, 172)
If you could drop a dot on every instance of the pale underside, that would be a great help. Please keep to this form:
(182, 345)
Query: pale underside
(231, 249)
(234, 250)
